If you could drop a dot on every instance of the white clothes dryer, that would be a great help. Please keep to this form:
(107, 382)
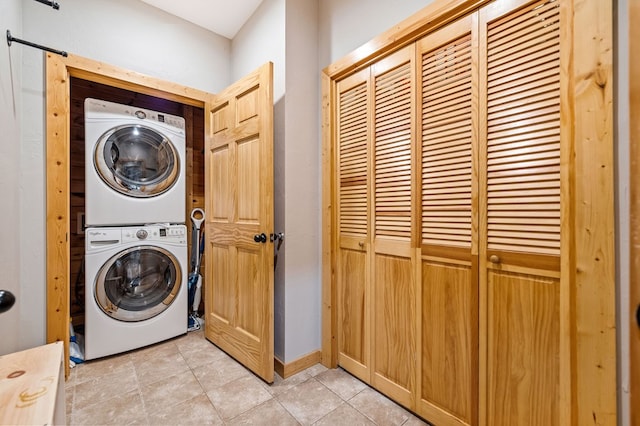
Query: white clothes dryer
(136, 287)
(134, 165)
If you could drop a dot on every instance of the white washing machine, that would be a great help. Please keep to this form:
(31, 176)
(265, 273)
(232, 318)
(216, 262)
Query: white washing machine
(136, 287)
(134, 165)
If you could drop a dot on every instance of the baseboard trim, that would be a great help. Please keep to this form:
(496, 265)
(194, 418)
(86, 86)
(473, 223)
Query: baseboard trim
(296, 366)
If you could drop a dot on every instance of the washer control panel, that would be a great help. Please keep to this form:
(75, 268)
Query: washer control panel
(158, 233)
(101, 238)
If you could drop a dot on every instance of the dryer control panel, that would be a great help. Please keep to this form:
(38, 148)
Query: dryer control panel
(100, 109)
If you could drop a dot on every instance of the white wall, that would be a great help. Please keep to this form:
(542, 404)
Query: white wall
(302, 185)
(131, 35)
(621, 62)
(346, 25)
(10, 105)
(260, 40)
(134, 36)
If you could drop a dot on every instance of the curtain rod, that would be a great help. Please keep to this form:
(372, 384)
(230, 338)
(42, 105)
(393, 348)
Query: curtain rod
(10, 39)
(53, 4)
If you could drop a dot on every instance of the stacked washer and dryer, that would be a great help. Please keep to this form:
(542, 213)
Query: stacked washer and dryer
(135, 236)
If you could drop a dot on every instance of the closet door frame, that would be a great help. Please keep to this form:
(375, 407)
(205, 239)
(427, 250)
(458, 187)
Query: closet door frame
(588, 338)
(58, 73)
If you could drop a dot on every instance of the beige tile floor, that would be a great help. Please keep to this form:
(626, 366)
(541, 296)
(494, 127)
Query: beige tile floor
(189, 381)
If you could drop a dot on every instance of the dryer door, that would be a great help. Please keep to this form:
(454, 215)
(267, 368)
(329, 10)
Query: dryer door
(138, 283)
(136, 161)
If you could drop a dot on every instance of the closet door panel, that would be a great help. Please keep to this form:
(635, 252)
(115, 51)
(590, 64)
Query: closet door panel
(394, 336)
(353, 195)
(353, 328)
(523, 349)
(521, 210)
(449, 283)
(394, 320)
(449, 354)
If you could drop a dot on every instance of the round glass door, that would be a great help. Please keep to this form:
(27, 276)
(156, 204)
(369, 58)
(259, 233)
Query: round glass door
(138, 283)
(137, 161)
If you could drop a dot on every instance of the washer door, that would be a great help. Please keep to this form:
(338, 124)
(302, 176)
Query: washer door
(136, 161)
(138, 283)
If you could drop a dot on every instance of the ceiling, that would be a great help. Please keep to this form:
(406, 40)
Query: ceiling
(224, 17)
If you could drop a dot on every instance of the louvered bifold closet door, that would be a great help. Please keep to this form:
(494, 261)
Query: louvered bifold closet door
(520, 231)
(449, 290)
(353, 194)
(393, 280)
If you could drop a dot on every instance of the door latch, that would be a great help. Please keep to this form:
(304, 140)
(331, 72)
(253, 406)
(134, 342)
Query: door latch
(276, 237)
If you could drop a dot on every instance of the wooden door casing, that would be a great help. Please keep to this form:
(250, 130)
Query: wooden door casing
(239, 205)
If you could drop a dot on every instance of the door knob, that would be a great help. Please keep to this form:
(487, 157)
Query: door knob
(494, 259)
(260, 238)
(7, 299)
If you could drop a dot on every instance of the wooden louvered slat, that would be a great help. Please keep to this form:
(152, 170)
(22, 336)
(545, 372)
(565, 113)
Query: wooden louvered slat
(522, 74)
(516, 102)
(514, 143)
(531, 50)
(448, 186)
(523, 122)
(352, 146)
(446, 144)
(451, 144)
(523, 132)
(531, 25)
(533, 105)
(393, 153)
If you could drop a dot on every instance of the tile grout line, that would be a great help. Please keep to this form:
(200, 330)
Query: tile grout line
(139, 387)
(203, 390)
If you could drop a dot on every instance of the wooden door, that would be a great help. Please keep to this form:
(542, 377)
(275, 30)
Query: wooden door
(239, 210)
(393, 258)
(376, 284)
(520, 181)
(447, 379)
(354, 243)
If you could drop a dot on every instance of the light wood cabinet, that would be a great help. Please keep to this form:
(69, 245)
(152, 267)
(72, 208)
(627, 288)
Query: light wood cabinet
(32, 386)
(452, 199)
